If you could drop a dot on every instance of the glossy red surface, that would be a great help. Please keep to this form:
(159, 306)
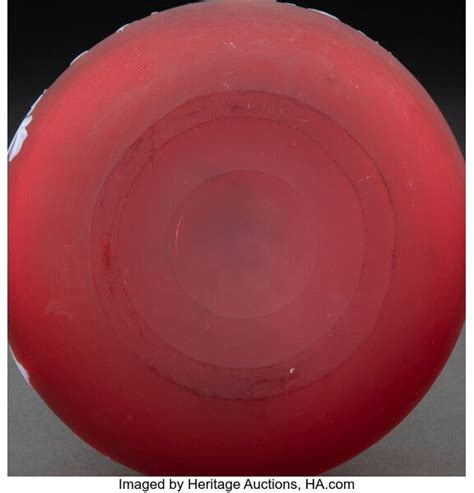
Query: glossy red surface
(236, 242)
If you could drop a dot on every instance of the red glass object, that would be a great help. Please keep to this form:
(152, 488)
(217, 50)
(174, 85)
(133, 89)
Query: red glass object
(236, 242)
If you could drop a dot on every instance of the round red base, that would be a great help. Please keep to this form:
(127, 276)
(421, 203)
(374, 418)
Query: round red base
(236, 242)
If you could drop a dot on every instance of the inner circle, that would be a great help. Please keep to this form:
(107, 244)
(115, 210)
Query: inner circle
(292, 156)
(242, 244)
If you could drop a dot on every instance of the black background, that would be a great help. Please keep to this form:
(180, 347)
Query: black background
(44, 36)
